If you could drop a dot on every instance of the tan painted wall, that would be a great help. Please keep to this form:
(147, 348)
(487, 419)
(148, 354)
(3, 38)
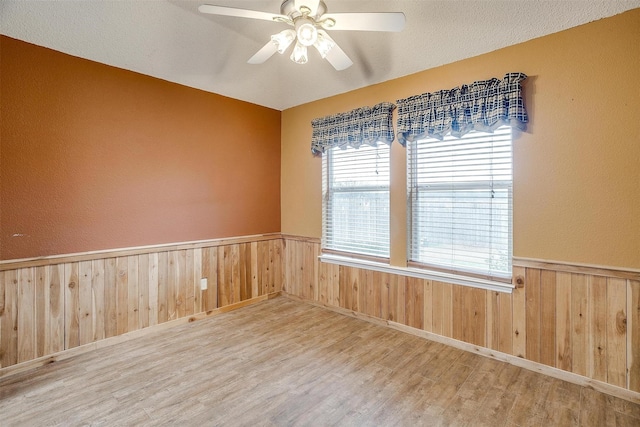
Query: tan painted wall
(95, 157)
(576, 168)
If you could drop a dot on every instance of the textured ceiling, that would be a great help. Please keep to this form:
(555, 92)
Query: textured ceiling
(171, 40)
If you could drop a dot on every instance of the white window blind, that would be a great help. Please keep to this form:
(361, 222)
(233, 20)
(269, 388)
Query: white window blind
(460, 203)
(355, 209)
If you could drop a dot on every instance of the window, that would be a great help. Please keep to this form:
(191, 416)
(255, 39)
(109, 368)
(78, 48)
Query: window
(460, 203)
(355, 207)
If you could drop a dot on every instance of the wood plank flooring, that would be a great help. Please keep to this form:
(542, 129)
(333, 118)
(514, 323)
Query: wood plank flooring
(283, 362)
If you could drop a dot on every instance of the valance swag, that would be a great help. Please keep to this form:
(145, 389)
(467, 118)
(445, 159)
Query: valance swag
(484, 105)
(365, 125)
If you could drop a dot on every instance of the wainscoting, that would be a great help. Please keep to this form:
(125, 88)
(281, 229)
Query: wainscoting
(55, 304)
(577, 323)
(577, 319)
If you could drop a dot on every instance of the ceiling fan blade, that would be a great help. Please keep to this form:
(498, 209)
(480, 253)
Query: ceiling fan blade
(337, 57)
(263, 54)
(240, 13)
(374, 21)
(311, 4)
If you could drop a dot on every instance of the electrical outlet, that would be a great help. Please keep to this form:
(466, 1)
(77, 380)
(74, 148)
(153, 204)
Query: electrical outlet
(203, 284)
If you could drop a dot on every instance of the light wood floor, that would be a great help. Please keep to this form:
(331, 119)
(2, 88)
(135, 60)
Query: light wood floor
(282, 362)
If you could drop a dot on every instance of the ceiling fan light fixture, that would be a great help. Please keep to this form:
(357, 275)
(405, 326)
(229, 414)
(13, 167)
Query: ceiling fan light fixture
(305, 10)
(306, 31)
(328, 23)
(283, 40)
(299, 54)
(324, 44)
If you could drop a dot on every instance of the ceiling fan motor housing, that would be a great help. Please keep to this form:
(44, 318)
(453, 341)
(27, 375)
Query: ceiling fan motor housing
(288, 8)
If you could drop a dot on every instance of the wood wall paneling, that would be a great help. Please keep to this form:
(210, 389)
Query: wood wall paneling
(192, 285)
(264, 268)
(365, 290)
(197, 276)
(98, 299)
(154, 289)
(393, 298)
(26, 315)
(122, 296)
(323, 282)
(132, 294)
(144, 286)
(477, 315)
(493, 319)
(597, 362)
(344, 298)
(578, 319)
(548, 317)
(71, 307)
(519, 315)
(437, 307)
(42, 309)
(209, 271)
(414, 294)
(50, 307)
(401, 306)
(237, 278)
(224, 275)
(278, 265)
(633, 334)
(563, 321)
(85, 303)
(533, 307)
(469, 314)
(427, 312)
(505, 343)
(255, 289)
(617, 332)
(163, 286)
(56, 303)
(309, 271)
(9, 319)
(384, 295)
(110, 297)
(353, 285)
(579, 324)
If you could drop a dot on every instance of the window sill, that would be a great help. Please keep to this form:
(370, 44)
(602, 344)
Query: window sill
(418, 273)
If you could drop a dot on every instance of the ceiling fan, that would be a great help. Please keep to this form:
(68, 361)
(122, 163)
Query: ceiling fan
(309, 19)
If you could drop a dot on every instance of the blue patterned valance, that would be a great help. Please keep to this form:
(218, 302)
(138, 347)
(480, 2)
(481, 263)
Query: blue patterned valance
(366, 125)
(484, 105)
